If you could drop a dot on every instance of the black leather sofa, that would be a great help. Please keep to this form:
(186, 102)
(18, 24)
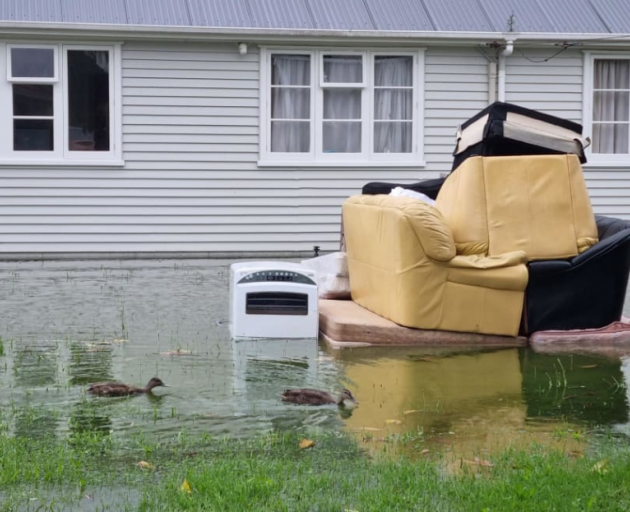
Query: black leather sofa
(585, 292)
(429, 188)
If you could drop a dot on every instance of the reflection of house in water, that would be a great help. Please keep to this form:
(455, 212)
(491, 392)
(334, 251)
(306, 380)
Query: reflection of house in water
(90, 363)
(34, 375)
(88, 416)
(35, 365)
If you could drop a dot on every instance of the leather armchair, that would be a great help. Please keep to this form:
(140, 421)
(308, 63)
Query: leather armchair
(585, 292)
(403, 266)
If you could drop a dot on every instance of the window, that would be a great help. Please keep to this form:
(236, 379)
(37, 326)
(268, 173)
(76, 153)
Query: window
(324, 107)
(63, 105)
(607, 107)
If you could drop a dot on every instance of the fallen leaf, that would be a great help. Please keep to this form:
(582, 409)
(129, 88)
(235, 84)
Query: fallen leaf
(306, 443)
(393, 422)
(479, 462)
(185, 487)
(600, 467)
(145, 465)
(425, 451)
(575, 454)
(176, 353)
(589, 366)
(412, 411)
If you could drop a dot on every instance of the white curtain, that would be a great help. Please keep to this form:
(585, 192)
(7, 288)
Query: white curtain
(290, 103)
(611, 105)
(342, 107)
(393, 108)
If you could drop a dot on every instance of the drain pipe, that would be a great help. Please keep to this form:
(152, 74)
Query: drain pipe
(492, 82)
(506, 52)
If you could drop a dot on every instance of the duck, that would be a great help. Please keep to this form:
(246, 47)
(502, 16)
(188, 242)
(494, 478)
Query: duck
(307, 396)
(120, 389)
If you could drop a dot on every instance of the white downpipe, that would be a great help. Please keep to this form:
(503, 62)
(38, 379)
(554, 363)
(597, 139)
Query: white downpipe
(492, 82)
(506, 52)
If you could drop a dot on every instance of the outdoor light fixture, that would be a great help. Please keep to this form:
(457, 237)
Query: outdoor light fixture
(242, 48)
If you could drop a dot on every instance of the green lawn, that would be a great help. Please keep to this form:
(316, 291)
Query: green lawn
(272, 473)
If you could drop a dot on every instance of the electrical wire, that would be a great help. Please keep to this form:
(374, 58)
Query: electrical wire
(539, 61)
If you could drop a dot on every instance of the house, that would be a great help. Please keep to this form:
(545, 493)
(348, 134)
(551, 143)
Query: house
(238, 127)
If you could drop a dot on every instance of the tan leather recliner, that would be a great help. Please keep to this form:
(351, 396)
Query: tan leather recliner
(537, 204)
(403, 266)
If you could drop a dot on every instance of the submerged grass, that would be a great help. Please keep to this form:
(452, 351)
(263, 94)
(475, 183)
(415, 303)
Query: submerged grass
(271, 473)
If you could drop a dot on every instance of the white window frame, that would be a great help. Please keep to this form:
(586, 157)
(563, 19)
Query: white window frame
(61, 155)
(367, 157)
(33, 80)
(598, 159)
(265, 118)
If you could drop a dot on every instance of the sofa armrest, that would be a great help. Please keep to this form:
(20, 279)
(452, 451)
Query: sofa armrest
(603, 247)
(505, 272)
(549, 266)
(480, 262)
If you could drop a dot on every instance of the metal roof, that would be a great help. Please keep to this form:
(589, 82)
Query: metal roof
(487, 16)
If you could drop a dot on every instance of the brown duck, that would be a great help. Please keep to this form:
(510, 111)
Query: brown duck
(120, 389)
(306, 396)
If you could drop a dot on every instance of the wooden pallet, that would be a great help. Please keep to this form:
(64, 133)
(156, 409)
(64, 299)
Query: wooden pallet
(344, 323)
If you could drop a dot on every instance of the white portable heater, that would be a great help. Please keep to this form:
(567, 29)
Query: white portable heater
(270, 299)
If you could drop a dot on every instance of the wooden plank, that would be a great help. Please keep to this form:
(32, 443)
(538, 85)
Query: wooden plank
(346, 323)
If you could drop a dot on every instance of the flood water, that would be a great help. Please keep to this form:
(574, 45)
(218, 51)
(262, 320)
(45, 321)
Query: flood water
(66, 324)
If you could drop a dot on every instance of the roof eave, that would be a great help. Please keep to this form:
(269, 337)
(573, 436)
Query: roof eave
(127, 32)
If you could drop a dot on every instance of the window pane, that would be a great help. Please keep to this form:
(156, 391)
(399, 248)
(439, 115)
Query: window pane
(290, 103)
(393, 71)
(342, 104)
(33, 135)
(612, 74)
(32, 100)
(342, 137)
(343, 69)
(88, 100)
(392, 137)
(290, 136)
(610, 138)
(611, 106)
(393, 104)
(32, 63)
(291, 70)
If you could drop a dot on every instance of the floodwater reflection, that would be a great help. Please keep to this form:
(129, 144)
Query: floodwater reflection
(67, 324)
(485, 401)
